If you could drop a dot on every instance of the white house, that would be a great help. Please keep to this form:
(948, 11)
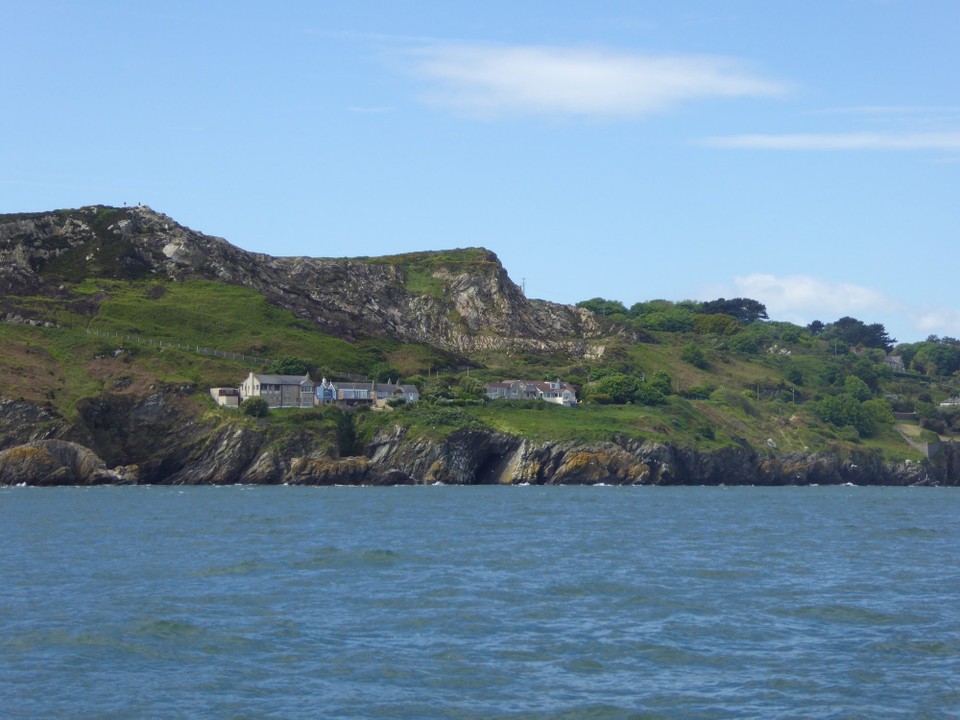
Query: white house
(555, 391)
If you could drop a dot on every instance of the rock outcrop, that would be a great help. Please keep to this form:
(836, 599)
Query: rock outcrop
(181, 450)
(473, 306)
(55, 462)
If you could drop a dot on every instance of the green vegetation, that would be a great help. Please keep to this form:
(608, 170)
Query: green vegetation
(423, 271)
(710, 374)
(255, 407)
(122, 335)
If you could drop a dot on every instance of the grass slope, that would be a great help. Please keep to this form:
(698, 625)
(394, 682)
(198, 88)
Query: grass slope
(766, 397)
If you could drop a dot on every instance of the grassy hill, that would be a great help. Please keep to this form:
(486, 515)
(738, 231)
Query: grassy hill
(126, 336)
(677, 373)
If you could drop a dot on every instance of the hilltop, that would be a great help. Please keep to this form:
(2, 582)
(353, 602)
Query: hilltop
(460, 301)
(109, 315)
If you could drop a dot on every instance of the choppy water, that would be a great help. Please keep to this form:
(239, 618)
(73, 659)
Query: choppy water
(480, 602)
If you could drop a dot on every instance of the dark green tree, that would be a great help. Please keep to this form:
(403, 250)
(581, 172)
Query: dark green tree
(851, 332)
(938, 358)
(743, 309)
(288, 365)
(603, 307)
(622, 388)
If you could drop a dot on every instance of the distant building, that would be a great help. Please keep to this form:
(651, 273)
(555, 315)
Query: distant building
(280, 390)
(895, 362)
(226, 397)
(326, 392)
(352, 393)
(951, 402)
(555, 391)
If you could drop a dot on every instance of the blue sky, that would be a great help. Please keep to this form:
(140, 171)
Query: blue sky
(805, 154)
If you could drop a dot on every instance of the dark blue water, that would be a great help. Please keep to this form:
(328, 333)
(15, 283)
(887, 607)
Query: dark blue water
(482, 602)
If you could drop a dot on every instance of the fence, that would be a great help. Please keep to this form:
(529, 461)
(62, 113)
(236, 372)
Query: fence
(139, 339)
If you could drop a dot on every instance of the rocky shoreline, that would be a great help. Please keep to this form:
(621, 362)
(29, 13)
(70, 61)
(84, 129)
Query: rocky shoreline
(120, 440)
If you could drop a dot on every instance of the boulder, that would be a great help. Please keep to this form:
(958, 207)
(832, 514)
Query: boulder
(54, 462)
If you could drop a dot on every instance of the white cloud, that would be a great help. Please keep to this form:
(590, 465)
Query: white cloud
(936, 321)
(802, 298)
(491, 81)
(841, 141)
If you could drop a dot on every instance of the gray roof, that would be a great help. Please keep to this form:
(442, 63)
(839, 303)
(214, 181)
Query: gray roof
(283, 379)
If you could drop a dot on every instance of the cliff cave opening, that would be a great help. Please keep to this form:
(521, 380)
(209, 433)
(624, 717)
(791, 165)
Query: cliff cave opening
(491, 468)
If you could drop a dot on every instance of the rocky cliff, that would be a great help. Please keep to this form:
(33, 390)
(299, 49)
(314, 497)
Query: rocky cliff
(469, 303)
(118, 440)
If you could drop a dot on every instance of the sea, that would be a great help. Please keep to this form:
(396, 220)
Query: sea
(480, 602)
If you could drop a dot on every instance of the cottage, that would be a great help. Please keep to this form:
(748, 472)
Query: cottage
(326, 392)
(951, 402)
(557, 392)
(280, 391)
(351, 393)
(894, 362)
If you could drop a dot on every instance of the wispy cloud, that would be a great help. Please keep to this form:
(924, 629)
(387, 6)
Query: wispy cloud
(936, 321)
(841, 141)
(493, 81)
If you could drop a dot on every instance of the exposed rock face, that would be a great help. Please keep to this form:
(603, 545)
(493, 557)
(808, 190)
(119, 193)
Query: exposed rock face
(173, 449)
(54, 462)
(475, 305)
(22, 422)
(479, 457)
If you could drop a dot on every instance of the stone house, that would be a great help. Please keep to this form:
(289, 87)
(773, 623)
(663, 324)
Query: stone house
(280, 391)
(894, 362)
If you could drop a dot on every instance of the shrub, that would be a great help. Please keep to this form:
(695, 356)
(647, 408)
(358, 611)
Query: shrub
(255, 407)
(698, 392)
(715, 324)
(694, 355)
(289, 365)
(744, 344)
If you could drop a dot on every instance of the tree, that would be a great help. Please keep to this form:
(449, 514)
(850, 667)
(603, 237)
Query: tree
(855, 332)
(744, 344)
(668, 320)
(622, 388)
(856, 388)
(382, 372)
(600, 306)
(648, 394)
(938, 358)
(743, 309)
(288, 365)
(255, 407)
